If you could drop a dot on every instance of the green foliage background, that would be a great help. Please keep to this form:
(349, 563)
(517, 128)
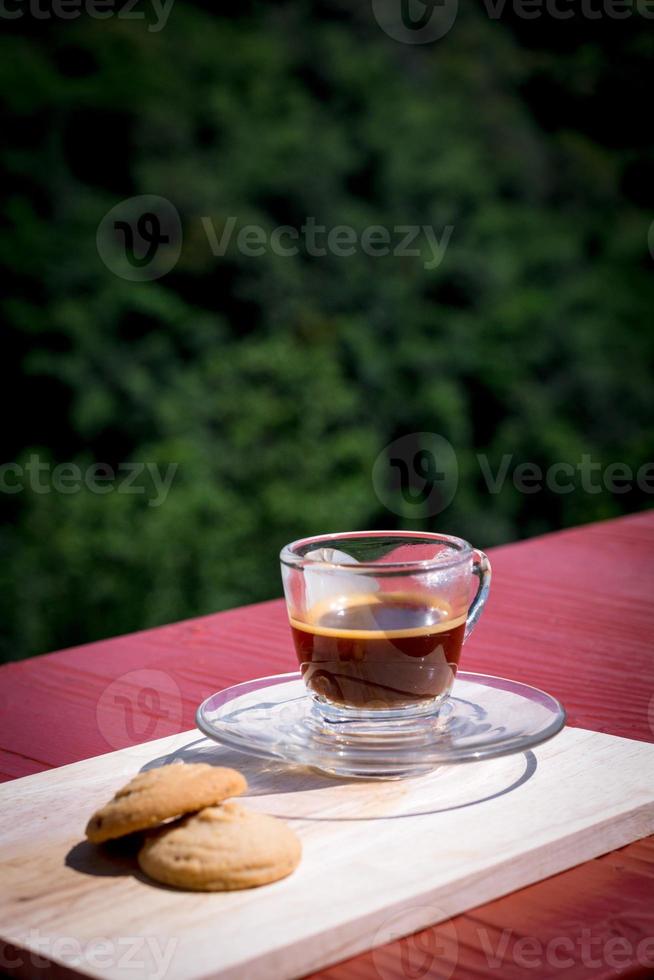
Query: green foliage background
(274, 382)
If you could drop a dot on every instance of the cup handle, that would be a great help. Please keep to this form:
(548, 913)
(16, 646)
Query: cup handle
(481, 567)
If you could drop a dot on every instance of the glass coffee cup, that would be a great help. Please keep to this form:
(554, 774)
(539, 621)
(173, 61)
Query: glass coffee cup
(379, 618)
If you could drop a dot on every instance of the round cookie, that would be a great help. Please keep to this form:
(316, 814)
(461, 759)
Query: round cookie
(221, 849)
(159, 794)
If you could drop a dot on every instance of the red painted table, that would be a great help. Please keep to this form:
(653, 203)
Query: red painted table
(570, 612)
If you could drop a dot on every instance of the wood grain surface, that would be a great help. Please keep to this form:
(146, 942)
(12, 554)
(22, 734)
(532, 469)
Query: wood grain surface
(380, 858)
(571, 612)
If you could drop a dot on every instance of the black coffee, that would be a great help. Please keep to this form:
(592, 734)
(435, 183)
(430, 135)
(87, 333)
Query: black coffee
(383, 650)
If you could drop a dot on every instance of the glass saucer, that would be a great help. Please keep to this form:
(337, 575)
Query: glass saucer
(277, 718)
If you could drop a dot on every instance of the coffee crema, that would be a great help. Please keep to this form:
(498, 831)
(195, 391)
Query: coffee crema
(379, 650)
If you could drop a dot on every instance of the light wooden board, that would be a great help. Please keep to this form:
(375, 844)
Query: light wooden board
(381, 859)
